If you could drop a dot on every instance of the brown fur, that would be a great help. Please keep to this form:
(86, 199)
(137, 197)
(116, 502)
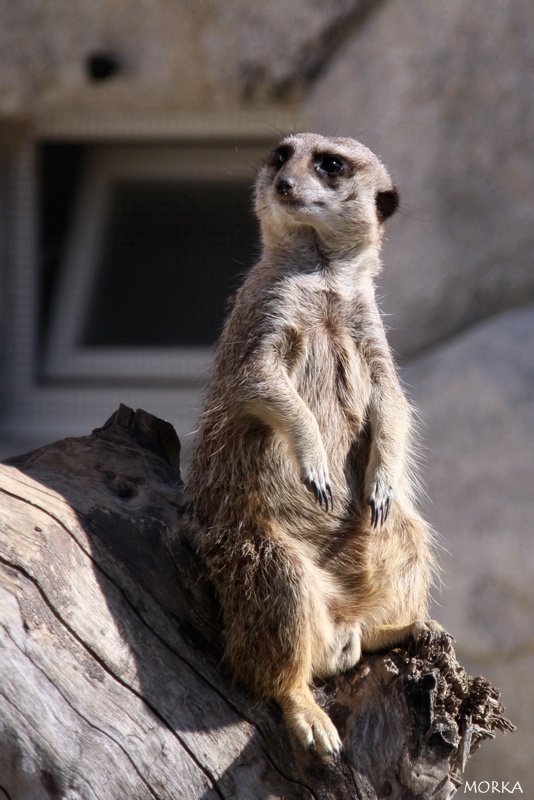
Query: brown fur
(305, 407)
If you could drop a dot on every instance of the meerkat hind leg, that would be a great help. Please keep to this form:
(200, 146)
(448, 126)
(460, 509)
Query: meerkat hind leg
(276, 619)
(308, 722)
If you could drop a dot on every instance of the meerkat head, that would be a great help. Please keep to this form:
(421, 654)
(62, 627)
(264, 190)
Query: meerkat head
(335, 187)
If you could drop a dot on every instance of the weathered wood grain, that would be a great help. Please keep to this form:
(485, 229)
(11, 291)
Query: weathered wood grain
(111, 681)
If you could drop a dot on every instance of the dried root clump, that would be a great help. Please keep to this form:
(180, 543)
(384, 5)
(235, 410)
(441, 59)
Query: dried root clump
(433, 716)
(472, 704)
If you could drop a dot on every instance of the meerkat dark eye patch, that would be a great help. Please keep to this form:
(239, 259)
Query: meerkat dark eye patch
(330, 164)
(387, 203)
(281, 155)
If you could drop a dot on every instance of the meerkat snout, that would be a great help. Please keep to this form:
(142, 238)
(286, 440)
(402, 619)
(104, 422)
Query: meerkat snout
(285, 186)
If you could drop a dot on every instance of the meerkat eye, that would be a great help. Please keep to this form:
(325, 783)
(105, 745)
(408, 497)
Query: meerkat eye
(331, 164)
(281, 155)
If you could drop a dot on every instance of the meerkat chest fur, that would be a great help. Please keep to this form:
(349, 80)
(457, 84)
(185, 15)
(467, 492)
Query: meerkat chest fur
(317, 329)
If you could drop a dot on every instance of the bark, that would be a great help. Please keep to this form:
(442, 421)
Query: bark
(111, 679)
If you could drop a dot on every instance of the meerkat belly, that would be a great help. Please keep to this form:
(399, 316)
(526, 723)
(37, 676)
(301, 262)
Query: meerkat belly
(333, 380)
(335, 384)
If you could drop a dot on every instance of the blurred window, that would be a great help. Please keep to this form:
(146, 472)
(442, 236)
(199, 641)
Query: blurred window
(141, 248)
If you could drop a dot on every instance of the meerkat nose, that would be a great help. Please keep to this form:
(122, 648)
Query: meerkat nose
(285, 186)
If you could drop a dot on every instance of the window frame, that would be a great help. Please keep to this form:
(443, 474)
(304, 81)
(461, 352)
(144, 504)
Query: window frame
(35, 409)
(65, 358)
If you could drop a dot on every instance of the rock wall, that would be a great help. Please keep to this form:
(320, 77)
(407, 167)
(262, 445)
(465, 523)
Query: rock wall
(475, 395)
(443, 92)
(162, 54)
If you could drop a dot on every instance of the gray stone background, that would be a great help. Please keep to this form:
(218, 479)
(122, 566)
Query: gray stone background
(444, 93)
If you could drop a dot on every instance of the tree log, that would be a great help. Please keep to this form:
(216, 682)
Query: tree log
(112, 684)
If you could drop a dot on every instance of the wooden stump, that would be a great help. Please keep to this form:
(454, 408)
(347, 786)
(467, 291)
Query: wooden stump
(111, 681)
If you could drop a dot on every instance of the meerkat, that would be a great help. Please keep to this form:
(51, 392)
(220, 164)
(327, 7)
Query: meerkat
(301, 497)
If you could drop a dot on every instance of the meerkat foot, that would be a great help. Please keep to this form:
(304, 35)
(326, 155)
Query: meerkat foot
(311, 725)
(421, 626)
(387, 636)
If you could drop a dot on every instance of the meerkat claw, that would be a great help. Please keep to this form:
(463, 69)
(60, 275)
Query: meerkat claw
(331, 496)
(380, 506)
(326, 499)
(312, 486)
(374, 512)
(320, 495)
(321, 490)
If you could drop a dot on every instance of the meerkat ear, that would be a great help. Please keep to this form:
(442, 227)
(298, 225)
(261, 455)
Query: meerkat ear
(387, 203)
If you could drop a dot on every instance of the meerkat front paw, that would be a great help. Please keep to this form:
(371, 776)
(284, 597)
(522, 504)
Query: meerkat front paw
(379, 498)
(316, 479)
